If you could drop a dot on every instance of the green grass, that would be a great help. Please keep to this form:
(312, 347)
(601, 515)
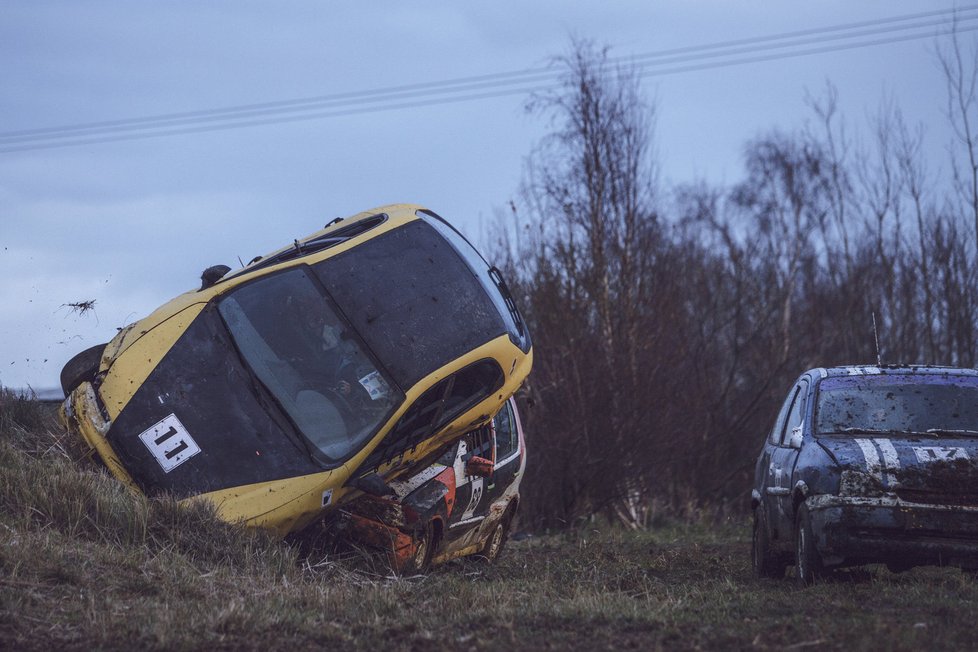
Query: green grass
(84, 564)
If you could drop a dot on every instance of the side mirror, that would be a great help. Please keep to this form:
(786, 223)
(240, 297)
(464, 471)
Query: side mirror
(374, 485)
(795, 440)
(212, 275)
(479, 466)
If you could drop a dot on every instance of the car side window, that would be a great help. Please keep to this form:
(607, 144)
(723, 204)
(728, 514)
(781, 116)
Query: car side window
(438, 406)
(797, 413)
(507, 438)
(479, 442)
(775, 436)
(469, 386)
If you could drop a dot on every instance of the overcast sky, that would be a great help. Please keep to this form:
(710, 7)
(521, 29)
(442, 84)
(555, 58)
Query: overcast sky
(131, 224)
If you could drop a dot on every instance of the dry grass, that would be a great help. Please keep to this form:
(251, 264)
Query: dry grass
(83, 565)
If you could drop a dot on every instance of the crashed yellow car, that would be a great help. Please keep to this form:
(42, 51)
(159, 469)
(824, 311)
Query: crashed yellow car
(283, 388)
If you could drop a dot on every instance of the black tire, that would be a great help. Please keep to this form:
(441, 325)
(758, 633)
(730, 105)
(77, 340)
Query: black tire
(808, 563)
(420, 562)
(497, 539)
(765, 561)
(81, 368)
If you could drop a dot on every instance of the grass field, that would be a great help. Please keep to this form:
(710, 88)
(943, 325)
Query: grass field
(85, 565)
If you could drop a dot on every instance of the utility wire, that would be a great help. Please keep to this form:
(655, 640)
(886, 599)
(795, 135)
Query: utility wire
(640, 63)
(466, 83)
(478, 87)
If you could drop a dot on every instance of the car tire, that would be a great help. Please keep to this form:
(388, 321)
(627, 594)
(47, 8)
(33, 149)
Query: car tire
(765, 561)
(808, 563)
(497, 540)
(81, 368)
(420, 561)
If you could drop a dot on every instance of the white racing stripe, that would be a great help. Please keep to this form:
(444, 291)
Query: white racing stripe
(891, 461)
(872, 458)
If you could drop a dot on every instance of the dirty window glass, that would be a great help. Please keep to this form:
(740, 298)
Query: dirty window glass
(479, 442)
(413, 299)
(310, 362)
(507, 310)
(941, 403)
(438, 406)
(469, 386)
(797, 414)
(507, 440)
(775, 437)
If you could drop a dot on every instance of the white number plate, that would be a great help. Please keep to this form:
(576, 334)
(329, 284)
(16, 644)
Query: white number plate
(170, 443)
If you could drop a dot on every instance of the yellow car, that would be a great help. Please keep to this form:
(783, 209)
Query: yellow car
(310, 375)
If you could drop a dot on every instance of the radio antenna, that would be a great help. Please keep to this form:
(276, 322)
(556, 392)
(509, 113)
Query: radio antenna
(876, 336)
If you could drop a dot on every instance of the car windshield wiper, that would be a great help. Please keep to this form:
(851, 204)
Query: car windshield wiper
(952, 431)
(883, 431)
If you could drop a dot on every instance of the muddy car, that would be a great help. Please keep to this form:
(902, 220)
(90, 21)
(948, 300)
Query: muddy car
(277, 389)
(463, 504)
(869, 465)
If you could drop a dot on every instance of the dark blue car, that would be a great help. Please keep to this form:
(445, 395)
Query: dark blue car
(869, 465)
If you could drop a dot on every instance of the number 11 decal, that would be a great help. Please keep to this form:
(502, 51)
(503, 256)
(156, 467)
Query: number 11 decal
(170, 443)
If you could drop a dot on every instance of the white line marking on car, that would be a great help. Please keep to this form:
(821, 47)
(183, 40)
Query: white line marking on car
(891, 461)
(872, 458)
(939, 453)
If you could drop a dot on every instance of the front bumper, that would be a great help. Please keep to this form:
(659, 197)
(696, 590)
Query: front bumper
(397, 545)
(853, 530)
(85, 417)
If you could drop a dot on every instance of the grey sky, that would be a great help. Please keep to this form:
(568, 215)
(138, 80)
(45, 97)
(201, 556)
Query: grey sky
(131, 224)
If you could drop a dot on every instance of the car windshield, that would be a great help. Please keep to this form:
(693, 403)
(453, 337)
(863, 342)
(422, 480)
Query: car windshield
(310, 361)
(928, 404)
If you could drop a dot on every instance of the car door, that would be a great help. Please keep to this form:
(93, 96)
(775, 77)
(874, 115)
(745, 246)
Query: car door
(783, 458)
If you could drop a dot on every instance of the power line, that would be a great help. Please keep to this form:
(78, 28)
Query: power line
(481, 87)
(465, 83)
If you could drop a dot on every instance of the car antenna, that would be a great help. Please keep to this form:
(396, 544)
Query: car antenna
(876, 336)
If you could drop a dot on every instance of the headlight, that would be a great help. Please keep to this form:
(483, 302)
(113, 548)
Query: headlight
(859, 483)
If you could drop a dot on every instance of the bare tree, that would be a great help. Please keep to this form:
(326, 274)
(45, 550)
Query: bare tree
(960, 67)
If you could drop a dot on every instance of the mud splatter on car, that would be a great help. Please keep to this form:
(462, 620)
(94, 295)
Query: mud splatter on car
(869, 465)
(278, 390)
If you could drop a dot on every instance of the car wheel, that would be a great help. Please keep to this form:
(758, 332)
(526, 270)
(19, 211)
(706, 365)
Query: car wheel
(423, 552)
(81, 368)
(765, 561)
(808, 563)
(496, 541)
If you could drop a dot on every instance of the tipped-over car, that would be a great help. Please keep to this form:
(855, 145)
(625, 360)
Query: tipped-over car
(462, 504)
(274, 391)
(869, 465)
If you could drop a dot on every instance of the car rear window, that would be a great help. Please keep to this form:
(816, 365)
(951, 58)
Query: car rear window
(919, 403)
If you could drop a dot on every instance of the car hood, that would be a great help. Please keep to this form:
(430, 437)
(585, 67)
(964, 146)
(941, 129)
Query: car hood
(910, 464)
(197, 424)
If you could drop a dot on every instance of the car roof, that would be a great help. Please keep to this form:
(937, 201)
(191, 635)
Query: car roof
(868, 370)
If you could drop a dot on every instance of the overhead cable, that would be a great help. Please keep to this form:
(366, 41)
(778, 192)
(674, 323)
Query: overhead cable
(663, 62)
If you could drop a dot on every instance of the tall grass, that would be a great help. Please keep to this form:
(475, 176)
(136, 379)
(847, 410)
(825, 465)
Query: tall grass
(84, 564)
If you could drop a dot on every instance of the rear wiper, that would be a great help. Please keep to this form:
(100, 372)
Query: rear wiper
(884, 431)
(952, 431)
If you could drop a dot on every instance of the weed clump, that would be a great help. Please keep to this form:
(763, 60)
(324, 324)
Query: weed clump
(21, 410)
(46, 485)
